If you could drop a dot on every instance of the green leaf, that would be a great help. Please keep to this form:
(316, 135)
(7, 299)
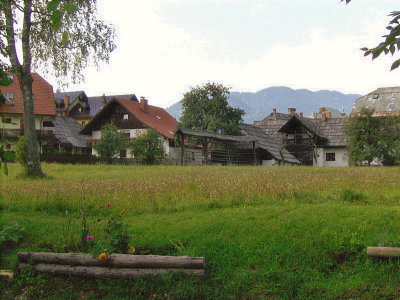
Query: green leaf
(56, 19)
(70, 8)
(53, 5)
(5, 168)
(395, 65)
(65, 36)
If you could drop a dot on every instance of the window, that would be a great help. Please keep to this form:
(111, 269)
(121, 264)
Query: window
(48, 124)
(158, 117)
(375, 96)
(125, 117)
(10, 96)
(127, 134)
(6, 120)
(83, 123)
(330, 157)
(395, 95)
(122, 154)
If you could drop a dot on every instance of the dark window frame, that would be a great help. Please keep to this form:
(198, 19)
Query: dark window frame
(330, 156)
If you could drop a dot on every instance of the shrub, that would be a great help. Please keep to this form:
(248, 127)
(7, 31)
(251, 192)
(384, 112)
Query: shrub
(21, 153)
(148, 147)
(111, 144)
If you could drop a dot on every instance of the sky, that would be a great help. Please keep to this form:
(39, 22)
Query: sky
(164, 47)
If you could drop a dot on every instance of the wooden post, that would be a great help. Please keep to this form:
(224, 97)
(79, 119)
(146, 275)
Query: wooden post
(229, 156)
(182, 149)
(206, 151)
(254, 153)
(383, 251)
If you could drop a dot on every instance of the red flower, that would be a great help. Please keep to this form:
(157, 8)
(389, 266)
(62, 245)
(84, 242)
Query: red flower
(108, 204)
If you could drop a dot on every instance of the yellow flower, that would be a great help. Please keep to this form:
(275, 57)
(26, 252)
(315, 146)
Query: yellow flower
(102, 256)
(131, 250)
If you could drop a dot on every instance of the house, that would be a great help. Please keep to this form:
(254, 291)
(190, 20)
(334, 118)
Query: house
(133, 118)
(319, 142)
(384, 102)
(12, 109)
(254, 147)
(79, 106)
(67, 136)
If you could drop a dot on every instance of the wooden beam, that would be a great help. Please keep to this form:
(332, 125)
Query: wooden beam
(254, 153)
(383, 251)
(182, 149)
(115, 260)
(103, 272)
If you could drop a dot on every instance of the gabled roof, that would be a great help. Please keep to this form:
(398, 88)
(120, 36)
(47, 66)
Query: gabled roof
(155, 117)
(215, 136)
(42, 92)
(272, 124)
(66, 130)
(382, 100)
(59, 97)
(267, 143)
(96, 103)
(330, 132)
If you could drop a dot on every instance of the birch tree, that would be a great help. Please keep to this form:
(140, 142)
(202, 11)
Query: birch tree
(58, 36)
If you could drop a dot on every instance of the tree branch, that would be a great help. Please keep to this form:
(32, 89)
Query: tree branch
(10, 35)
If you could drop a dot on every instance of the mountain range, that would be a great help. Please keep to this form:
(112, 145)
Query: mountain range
(260, 104)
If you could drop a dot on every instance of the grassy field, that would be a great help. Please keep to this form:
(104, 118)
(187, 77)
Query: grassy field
(266, 233)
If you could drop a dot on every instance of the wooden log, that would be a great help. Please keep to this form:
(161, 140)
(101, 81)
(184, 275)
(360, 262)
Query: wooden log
(383, 251)
(103, 272)
(115, 260)
(4, 274)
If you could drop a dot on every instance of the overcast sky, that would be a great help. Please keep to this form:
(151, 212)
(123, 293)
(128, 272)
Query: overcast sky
(167, 46)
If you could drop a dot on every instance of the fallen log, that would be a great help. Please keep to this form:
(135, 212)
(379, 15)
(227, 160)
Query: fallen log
(115, 260)
(102, 272)
(4, 274)
(383, 252)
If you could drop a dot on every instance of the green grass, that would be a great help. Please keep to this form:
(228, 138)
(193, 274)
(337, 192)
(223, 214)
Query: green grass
(266, 233)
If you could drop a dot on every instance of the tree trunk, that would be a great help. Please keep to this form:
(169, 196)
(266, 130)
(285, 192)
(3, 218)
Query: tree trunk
(32, 146)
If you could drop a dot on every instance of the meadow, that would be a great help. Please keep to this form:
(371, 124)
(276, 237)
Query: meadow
(266, 233)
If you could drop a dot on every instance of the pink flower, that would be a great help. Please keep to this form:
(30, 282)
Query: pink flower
(89, 238)
(108, 204)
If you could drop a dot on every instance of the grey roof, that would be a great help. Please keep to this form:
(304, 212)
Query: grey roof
(66, 130)
(267, 143)
(382, 100)
(96, 103)
(216, 136)
(335, 113)
(59, 97)
(331, 131)
(271, 124)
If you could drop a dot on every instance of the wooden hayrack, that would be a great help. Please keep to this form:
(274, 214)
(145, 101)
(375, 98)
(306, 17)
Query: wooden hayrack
(116, 266)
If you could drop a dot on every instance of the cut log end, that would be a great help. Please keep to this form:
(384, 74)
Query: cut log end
(5, 275)
(383, 252)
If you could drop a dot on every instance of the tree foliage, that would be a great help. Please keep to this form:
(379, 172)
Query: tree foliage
(148, 147)
(391, 42)
(206, 108)
(111, 144)
(371, 137)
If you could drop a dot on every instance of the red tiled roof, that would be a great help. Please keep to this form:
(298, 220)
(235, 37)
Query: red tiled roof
(155, 117)
(43, 94)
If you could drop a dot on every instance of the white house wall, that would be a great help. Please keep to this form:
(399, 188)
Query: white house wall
(132, 134)
(341, 157)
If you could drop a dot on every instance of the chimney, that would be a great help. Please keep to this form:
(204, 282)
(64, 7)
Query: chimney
(343, 114)
(144, 104)
(329, 115)
(66, 100)
(274, 111)
(104, 99)
(323, 116)
(301, 115)
(291, 111)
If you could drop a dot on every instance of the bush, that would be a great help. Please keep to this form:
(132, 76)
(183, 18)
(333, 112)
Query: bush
(21, 153)
(111, 144)
(351, 196)
(148, 147)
